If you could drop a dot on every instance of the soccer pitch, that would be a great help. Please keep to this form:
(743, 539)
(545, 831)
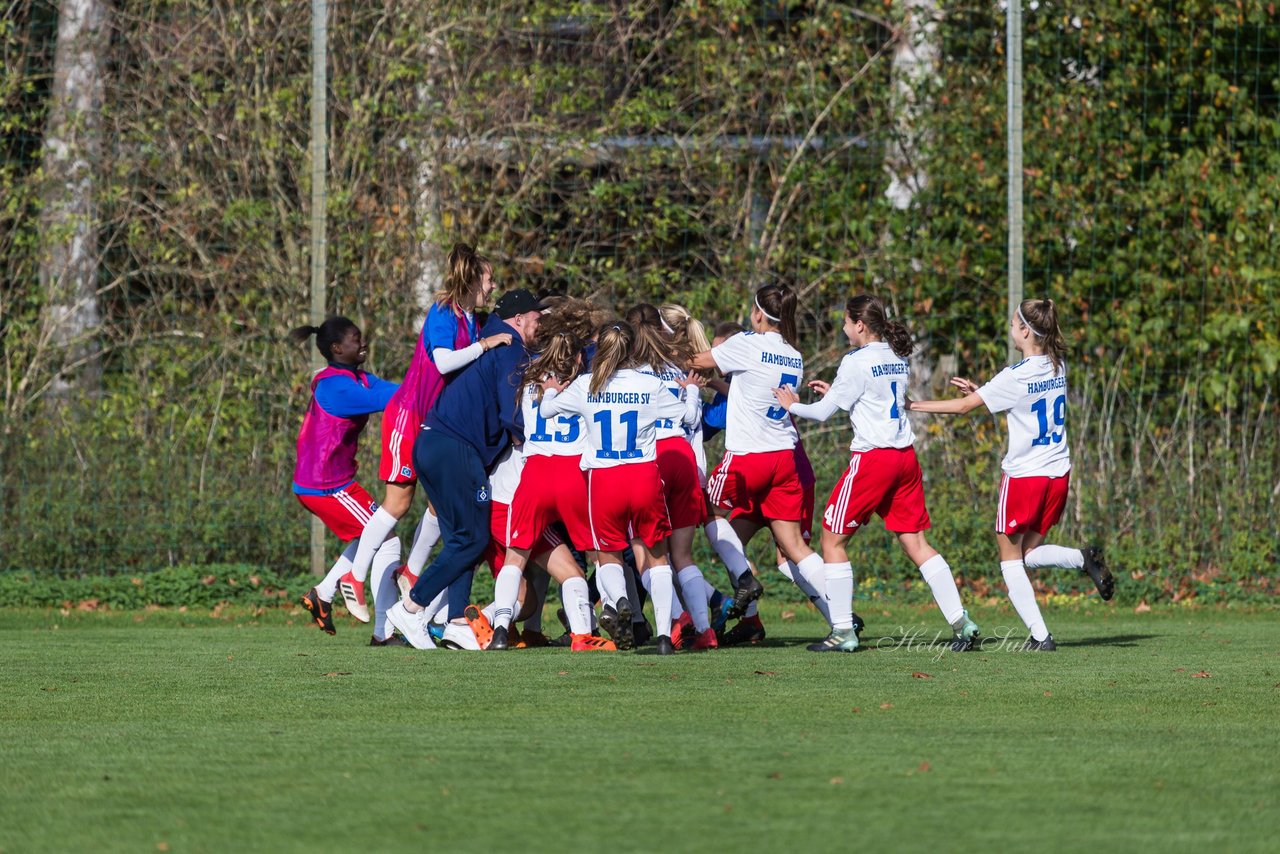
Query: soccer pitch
(184, 732)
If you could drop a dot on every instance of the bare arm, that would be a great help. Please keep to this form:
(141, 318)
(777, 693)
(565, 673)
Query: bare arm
(703, 361)
(956, 406)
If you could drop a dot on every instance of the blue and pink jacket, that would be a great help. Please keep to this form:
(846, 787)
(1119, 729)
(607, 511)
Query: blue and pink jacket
(342, 398)
(423, 381)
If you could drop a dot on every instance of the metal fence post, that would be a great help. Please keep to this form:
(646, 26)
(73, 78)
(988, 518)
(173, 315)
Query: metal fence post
(319, 157)
(1013, 78)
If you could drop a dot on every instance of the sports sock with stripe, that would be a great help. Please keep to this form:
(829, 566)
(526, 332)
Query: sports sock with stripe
(506, 590)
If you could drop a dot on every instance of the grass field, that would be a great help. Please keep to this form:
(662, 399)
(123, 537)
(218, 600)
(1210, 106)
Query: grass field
(184, 732)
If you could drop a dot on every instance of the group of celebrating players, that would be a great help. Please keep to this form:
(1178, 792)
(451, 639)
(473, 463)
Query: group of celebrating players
(556, 437)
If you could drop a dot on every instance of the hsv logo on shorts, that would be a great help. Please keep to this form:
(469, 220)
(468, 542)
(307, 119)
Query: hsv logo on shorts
(405, 471)
(482, 494)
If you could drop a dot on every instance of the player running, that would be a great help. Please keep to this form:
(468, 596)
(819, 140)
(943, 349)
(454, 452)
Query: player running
(1037, 468)
(883, 476)
(342, 398)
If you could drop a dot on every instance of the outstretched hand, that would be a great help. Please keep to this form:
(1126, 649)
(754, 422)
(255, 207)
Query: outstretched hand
(965, 386)
(820, 386)
(787, 397)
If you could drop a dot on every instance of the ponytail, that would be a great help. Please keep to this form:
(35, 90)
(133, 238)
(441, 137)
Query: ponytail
(778, 304)
(1041, 317)
(559, 358)
(688, 335)
(872, 312)
(466, 267)
(614, 342)
(652, 345)
(332, 331)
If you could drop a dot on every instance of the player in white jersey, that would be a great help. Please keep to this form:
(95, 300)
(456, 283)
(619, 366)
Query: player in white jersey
(659, 352)
(757, 484)
(619, 406)
(552, 488)
(1037, 467)
(883, 476)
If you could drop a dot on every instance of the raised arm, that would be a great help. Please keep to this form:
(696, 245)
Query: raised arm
(955, 406)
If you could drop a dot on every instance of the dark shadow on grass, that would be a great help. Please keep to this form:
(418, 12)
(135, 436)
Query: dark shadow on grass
(1111, 640)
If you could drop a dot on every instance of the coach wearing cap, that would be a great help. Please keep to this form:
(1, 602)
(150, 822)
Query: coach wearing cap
(474, 420)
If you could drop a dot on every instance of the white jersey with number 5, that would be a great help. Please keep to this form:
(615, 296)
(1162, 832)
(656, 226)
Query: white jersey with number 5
(1036, 401)
(757, 364)
(561, 436)
(620, 418)
(871, 384)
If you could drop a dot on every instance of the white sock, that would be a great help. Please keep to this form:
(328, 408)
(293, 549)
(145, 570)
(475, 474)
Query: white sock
(506, 590)
(376, 530)
(791, 571)
(814, 572)
(708, 588)
(677, 607)
(385, 591)
(1023, 597)
(787, 568)
(728, 547)
(937, 574)
(424, 540)
(662, 588)
(540, 582)
(694, 586)
(328, 586)
(577, 605)
(436, 608)
(611, 581)
(1053, 556)
(839, 578)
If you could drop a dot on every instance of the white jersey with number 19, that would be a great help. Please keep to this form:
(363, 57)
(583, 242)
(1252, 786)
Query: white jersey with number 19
(1036, 400)
(757, 364)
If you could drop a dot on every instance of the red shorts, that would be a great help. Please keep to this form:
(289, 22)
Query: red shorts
(399, 431)
(495, 554)
(884, 481)
(551, 489)
(625, 503)
(344, 512)
(763, 486)
(1030, 503)
(678, 467)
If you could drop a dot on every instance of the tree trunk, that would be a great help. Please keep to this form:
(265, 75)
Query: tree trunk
(69, 218)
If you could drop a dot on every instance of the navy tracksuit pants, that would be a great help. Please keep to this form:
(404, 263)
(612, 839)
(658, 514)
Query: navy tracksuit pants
(454, 478)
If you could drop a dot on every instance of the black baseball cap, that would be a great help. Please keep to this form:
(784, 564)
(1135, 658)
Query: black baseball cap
(516, 302)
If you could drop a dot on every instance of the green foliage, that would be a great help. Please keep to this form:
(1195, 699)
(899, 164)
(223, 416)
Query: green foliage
(195, 587)
(650, 151)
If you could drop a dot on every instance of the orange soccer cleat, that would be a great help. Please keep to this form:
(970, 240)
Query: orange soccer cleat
(480, 625)
(587, 643)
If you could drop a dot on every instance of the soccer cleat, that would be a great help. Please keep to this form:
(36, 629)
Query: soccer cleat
(459, 636)
(617, 622)
(480, 625)
(682, 631)
(436, 630)
(706, 640)
(1046, 645)
(390, 640)
(843, 640)
(353, 597)
(664, 646)
(858, 625)
(720, 613)
(501, 639)
(748, 630)
(749, 590)
(530, 639)
(966, 634)
(590, 643)
(320, 610)
(641, 632)
(412, 626)
(1095, 566)
(566, 639)
(404, 580)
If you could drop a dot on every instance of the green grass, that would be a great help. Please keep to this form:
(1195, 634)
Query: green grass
(182, 732)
